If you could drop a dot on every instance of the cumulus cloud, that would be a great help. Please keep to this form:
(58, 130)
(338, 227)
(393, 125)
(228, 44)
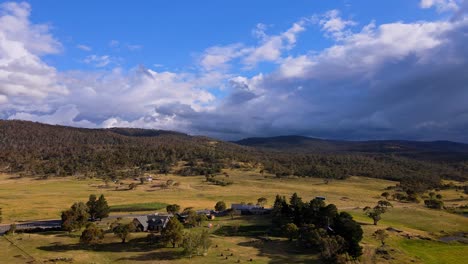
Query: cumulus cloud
(269, 49)
(23, 75)
(334, 26)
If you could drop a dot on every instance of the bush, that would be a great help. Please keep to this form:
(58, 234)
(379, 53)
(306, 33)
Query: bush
(434, 204)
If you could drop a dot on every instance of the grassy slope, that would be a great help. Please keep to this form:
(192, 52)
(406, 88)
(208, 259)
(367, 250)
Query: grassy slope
(26, 199)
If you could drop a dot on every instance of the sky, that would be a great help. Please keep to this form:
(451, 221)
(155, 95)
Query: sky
(338, 69)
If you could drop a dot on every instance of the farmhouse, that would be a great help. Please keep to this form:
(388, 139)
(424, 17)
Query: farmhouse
(153, 222)
(245, 209)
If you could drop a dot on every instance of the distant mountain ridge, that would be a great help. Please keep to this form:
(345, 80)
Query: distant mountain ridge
(314, 145)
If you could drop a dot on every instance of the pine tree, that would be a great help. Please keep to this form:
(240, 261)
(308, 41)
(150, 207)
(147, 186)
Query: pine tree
(91, 204)
(102, 208)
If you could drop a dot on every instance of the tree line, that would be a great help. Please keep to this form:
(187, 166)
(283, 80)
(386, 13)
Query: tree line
(46, 151)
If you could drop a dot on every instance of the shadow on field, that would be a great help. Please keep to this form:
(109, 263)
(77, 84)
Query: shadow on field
(134, 245)
(160, 255)
(280, 251)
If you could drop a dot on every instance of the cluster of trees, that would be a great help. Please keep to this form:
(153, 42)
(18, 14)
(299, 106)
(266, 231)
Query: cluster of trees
(216, 181)
(434, 201)
(317, 225)
(80, 213)
(193, 242)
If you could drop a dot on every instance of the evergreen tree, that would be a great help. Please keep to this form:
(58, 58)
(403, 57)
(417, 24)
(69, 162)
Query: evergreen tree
(92, 204)
(102, 208)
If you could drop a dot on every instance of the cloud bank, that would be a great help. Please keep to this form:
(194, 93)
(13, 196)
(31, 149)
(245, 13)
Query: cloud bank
(375, 81)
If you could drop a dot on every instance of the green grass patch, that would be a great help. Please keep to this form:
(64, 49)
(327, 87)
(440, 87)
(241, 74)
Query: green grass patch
(137, 207)
(433, 252)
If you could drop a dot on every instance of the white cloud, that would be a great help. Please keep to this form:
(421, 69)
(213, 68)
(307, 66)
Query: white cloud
(334, 25)
(271, 47)
(84, 47)
(441, 5)
(98, 61)
(22, 72)
(219, 56)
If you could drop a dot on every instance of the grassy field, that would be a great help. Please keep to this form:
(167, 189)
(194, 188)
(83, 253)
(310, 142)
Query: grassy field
(25, 199)
(138, 207)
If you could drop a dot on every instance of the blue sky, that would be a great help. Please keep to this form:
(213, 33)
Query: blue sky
(172, 33)
(230, 69)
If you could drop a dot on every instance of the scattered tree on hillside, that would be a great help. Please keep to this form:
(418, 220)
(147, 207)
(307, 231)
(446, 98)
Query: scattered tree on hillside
(376, 212)
(91, 235)
(385, 195)
(220, 206)
(173, 233)
(173, 208)
(75, 218)
(381, 235)
(123, 231)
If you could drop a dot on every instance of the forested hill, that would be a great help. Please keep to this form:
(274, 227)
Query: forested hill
(48, 150)
(431, 150)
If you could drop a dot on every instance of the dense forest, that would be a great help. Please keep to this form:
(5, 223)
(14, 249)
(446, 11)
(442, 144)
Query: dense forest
(47, 150)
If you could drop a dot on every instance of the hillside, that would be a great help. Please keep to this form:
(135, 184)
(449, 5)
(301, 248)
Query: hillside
(46, 150)
(432, 150)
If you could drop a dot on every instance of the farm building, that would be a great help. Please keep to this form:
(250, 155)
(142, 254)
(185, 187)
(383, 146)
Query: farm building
(153, 222)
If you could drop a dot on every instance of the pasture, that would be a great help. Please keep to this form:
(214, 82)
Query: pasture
(26, 198)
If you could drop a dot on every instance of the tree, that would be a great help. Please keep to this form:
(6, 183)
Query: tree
(91, 235)
(380, 235)
(192, 218)
(351, 231)
(123, 231)
(331, 247)
(102, 208)
(75, 217)
(439, 196)
(173, 233)
(385, 195)
(220, 206)
(434, 204)
(195, 242)
(91, 204)
(291, 231)
(376, 212)
(173, 208)
(262, 201)
(97, 208)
